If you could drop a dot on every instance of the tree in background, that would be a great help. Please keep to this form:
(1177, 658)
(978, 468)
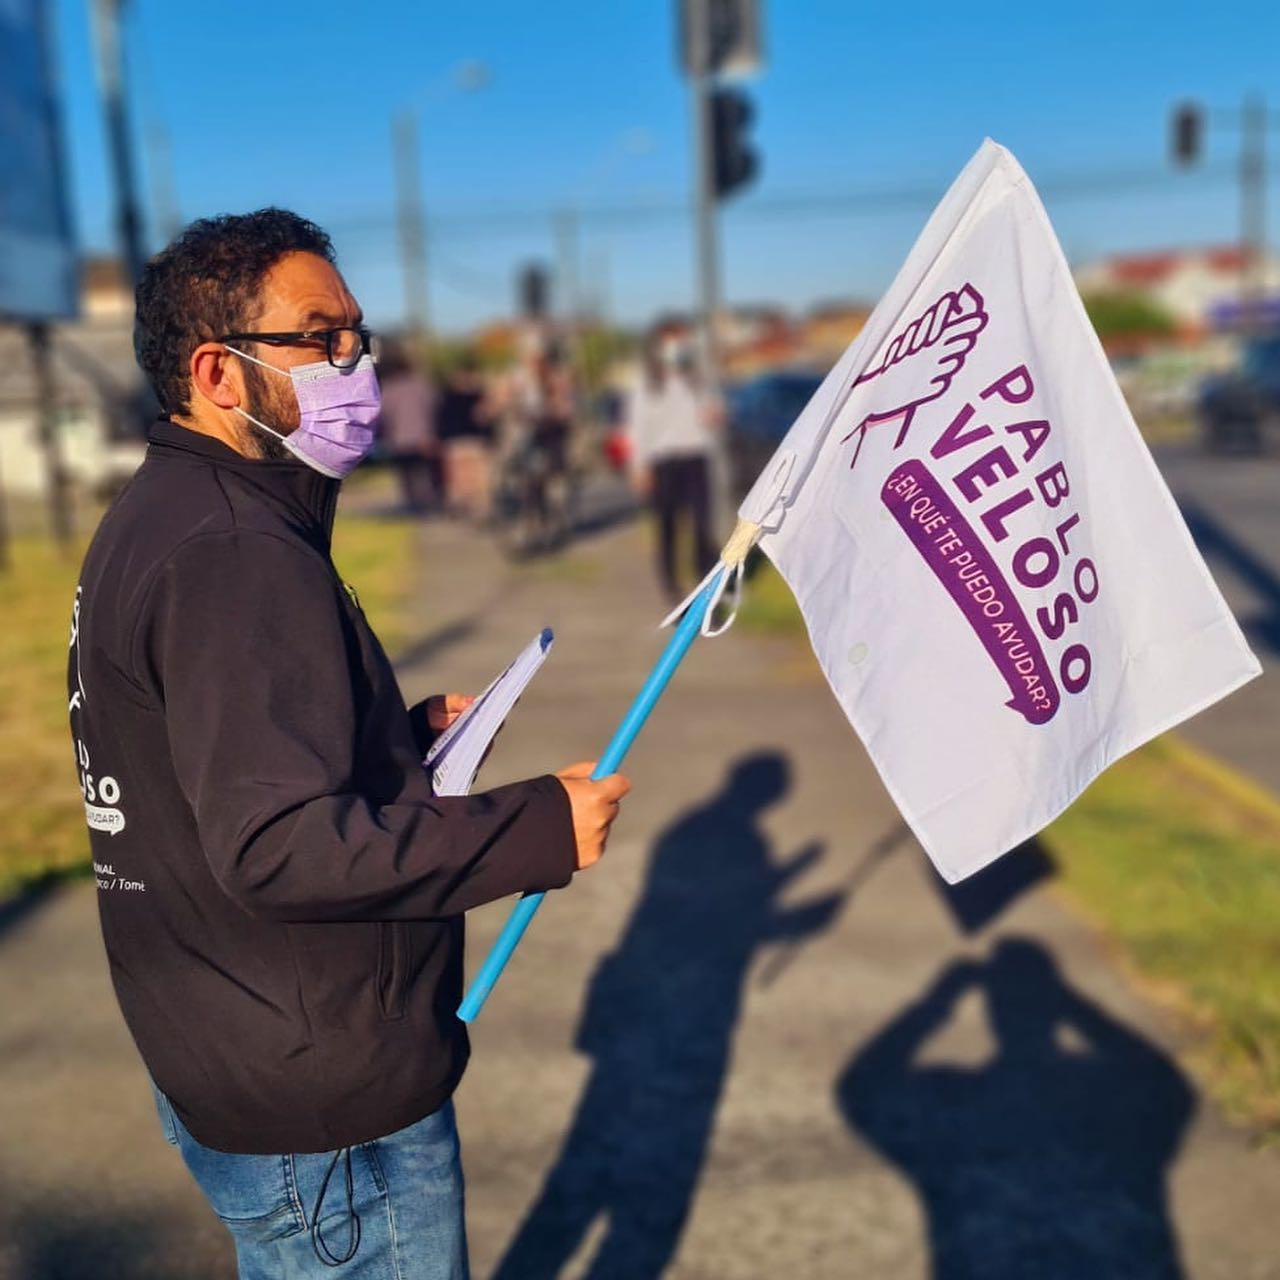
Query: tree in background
(599, 349)
(1129, 319)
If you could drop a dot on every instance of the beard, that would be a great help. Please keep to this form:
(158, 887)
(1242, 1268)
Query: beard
(271, 400)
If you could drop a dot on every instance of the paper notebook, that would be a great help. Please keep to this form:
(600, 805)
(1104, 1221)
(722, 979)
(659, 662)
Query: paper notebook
(455, 756)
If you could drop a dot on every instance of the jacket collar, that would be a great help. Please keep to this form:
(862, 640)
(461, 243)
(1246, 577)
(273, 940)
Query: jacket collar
(304, 492)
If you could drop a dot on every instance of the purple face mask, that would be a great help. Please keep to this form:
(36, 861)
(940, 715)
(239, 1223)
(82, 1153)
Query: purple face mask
(338, 412)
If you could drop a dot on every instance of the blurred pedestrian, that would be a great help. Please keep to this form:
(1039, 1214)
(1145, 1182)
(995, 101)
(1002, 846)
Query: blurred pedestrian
(280, 890)
(408, 429)
(466, 430)
(551, 443)
(672, 423)
(554, 422)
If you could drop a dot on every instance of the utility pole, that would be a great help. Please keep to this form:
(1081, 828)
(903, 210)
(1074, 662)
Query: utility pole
(718, 39)
(1253, 208)
(566, 228)
(567, 247)
(707, 249)
(412, 220)
(602, 292)
(466, 77)
(55, 471)
(111, 82)
(1252, 119)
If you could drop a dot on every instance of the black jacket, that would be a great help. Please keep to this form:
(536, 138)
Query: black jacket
(281, 894)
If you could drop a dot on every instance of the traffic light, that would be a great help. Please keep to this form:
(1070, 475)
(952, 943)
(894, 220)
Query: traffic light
(728, 42)
(1188, 127)
(735, 162)
(533, 287)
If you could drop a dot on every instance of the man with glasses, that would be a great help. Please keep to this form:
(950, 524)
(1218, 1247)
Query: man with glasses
(281, 894)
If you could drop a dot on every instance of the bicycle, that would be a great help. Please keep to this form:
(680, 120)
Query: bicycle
(533, 499)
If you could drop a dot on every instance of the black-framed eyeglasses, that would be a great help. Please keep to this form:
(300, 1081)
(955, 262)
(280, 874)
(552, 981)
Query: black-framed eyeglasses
(343, 346)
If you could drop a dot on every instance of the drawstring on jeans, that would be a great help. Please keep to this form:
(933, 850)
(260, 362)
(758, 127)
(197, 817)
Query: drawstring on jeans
(322, 1250)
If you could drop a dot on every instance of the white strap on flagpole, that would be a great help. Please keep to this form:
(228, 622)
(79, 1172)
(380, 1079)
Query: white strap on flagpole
(733, 557)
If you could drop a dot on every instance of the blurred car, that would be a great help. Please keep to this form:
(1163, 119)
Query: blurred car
(760, 412)
(1239, 412)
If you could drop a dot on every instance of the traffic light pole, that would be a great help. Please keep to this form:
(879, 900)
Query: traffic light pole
(1253, 120)
(708, 253)
(55, 470)
(1253, 207)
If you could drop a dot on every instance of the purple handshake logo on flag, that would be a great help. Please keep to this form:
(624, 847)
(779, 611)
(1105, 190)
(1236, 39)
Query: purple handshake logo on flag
(921, 361)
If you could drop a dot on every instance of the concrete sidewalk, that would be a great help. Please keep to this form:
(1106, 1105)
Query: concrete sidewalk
(717, 1098)
(757, 1040)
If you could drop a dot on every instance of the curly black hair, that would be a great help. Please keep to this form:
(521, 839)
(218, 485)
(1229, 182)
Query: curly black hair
(206, 283)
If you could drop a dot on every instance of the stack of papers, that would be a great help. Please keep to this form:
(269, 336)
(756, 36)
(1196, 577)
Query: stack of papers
(455, 756)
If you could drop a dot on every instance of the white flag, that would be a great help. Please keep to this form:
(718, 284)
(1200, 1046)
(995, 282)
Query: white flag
(996, 581)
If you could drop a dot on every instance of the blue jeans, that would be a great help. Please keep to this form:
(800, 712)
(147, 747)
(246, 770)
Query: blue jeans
(405, 1189)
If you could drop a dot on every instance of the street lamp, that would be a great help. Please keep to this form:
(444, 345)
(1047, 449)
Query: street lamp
(470, 76)
(632, 142)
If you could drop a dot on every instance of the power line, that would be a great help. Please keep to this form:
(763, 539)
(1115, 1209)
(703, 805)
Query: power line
(866, 201)
(458, 276)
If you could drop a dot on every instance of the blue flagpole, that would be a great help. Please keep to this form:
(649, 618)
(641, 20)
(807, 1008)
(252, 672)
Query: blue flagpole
(685, 634)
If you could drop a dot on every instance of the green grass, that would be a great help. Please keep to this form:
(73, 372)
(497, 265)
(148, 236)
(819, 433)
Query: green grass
(42, 827)
(376, 557)
(1169, 429)
(42, 830)
(1177, 858)
(768, 605)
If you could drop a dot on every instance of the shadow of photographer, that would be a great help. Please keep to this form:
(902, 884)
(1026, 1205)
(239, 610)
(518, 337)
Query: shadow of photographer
(1047, 1161)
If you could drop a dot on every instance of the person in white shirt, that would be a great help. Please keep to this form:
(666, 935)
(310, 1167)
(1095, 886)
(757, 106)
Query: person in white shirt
(672, 423)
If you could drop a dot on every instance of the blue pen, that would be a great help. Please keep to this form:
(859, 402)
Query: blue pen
(685, 633)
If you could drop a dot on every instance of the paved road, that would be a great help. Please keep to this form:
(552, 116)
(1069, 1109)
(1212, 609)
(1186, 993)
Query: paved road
(758, 1040)
(1232, 506)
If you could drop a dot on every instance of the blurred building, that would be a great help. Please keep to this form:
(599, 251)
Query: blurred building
(105, 294)
(829, 327)
(499, 341)
(101, 401)
(754, 338)
(1200, 288)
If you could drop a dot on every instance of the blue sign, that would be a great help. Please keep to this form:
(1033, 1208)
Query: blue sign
(38, 265)
(1233, 314)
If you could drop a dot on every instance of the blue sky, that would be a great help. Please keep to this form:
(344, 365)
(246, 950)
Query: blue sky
(290, 103)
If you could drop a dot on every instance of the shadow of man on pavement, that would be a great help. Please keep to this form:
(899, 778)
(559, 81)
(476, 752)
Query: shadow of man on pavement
(1049, 1160)
(659, 1023)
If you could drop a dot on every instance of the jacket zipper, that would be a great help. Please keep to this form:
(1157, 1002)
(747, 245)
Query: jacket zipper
(392, 968)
